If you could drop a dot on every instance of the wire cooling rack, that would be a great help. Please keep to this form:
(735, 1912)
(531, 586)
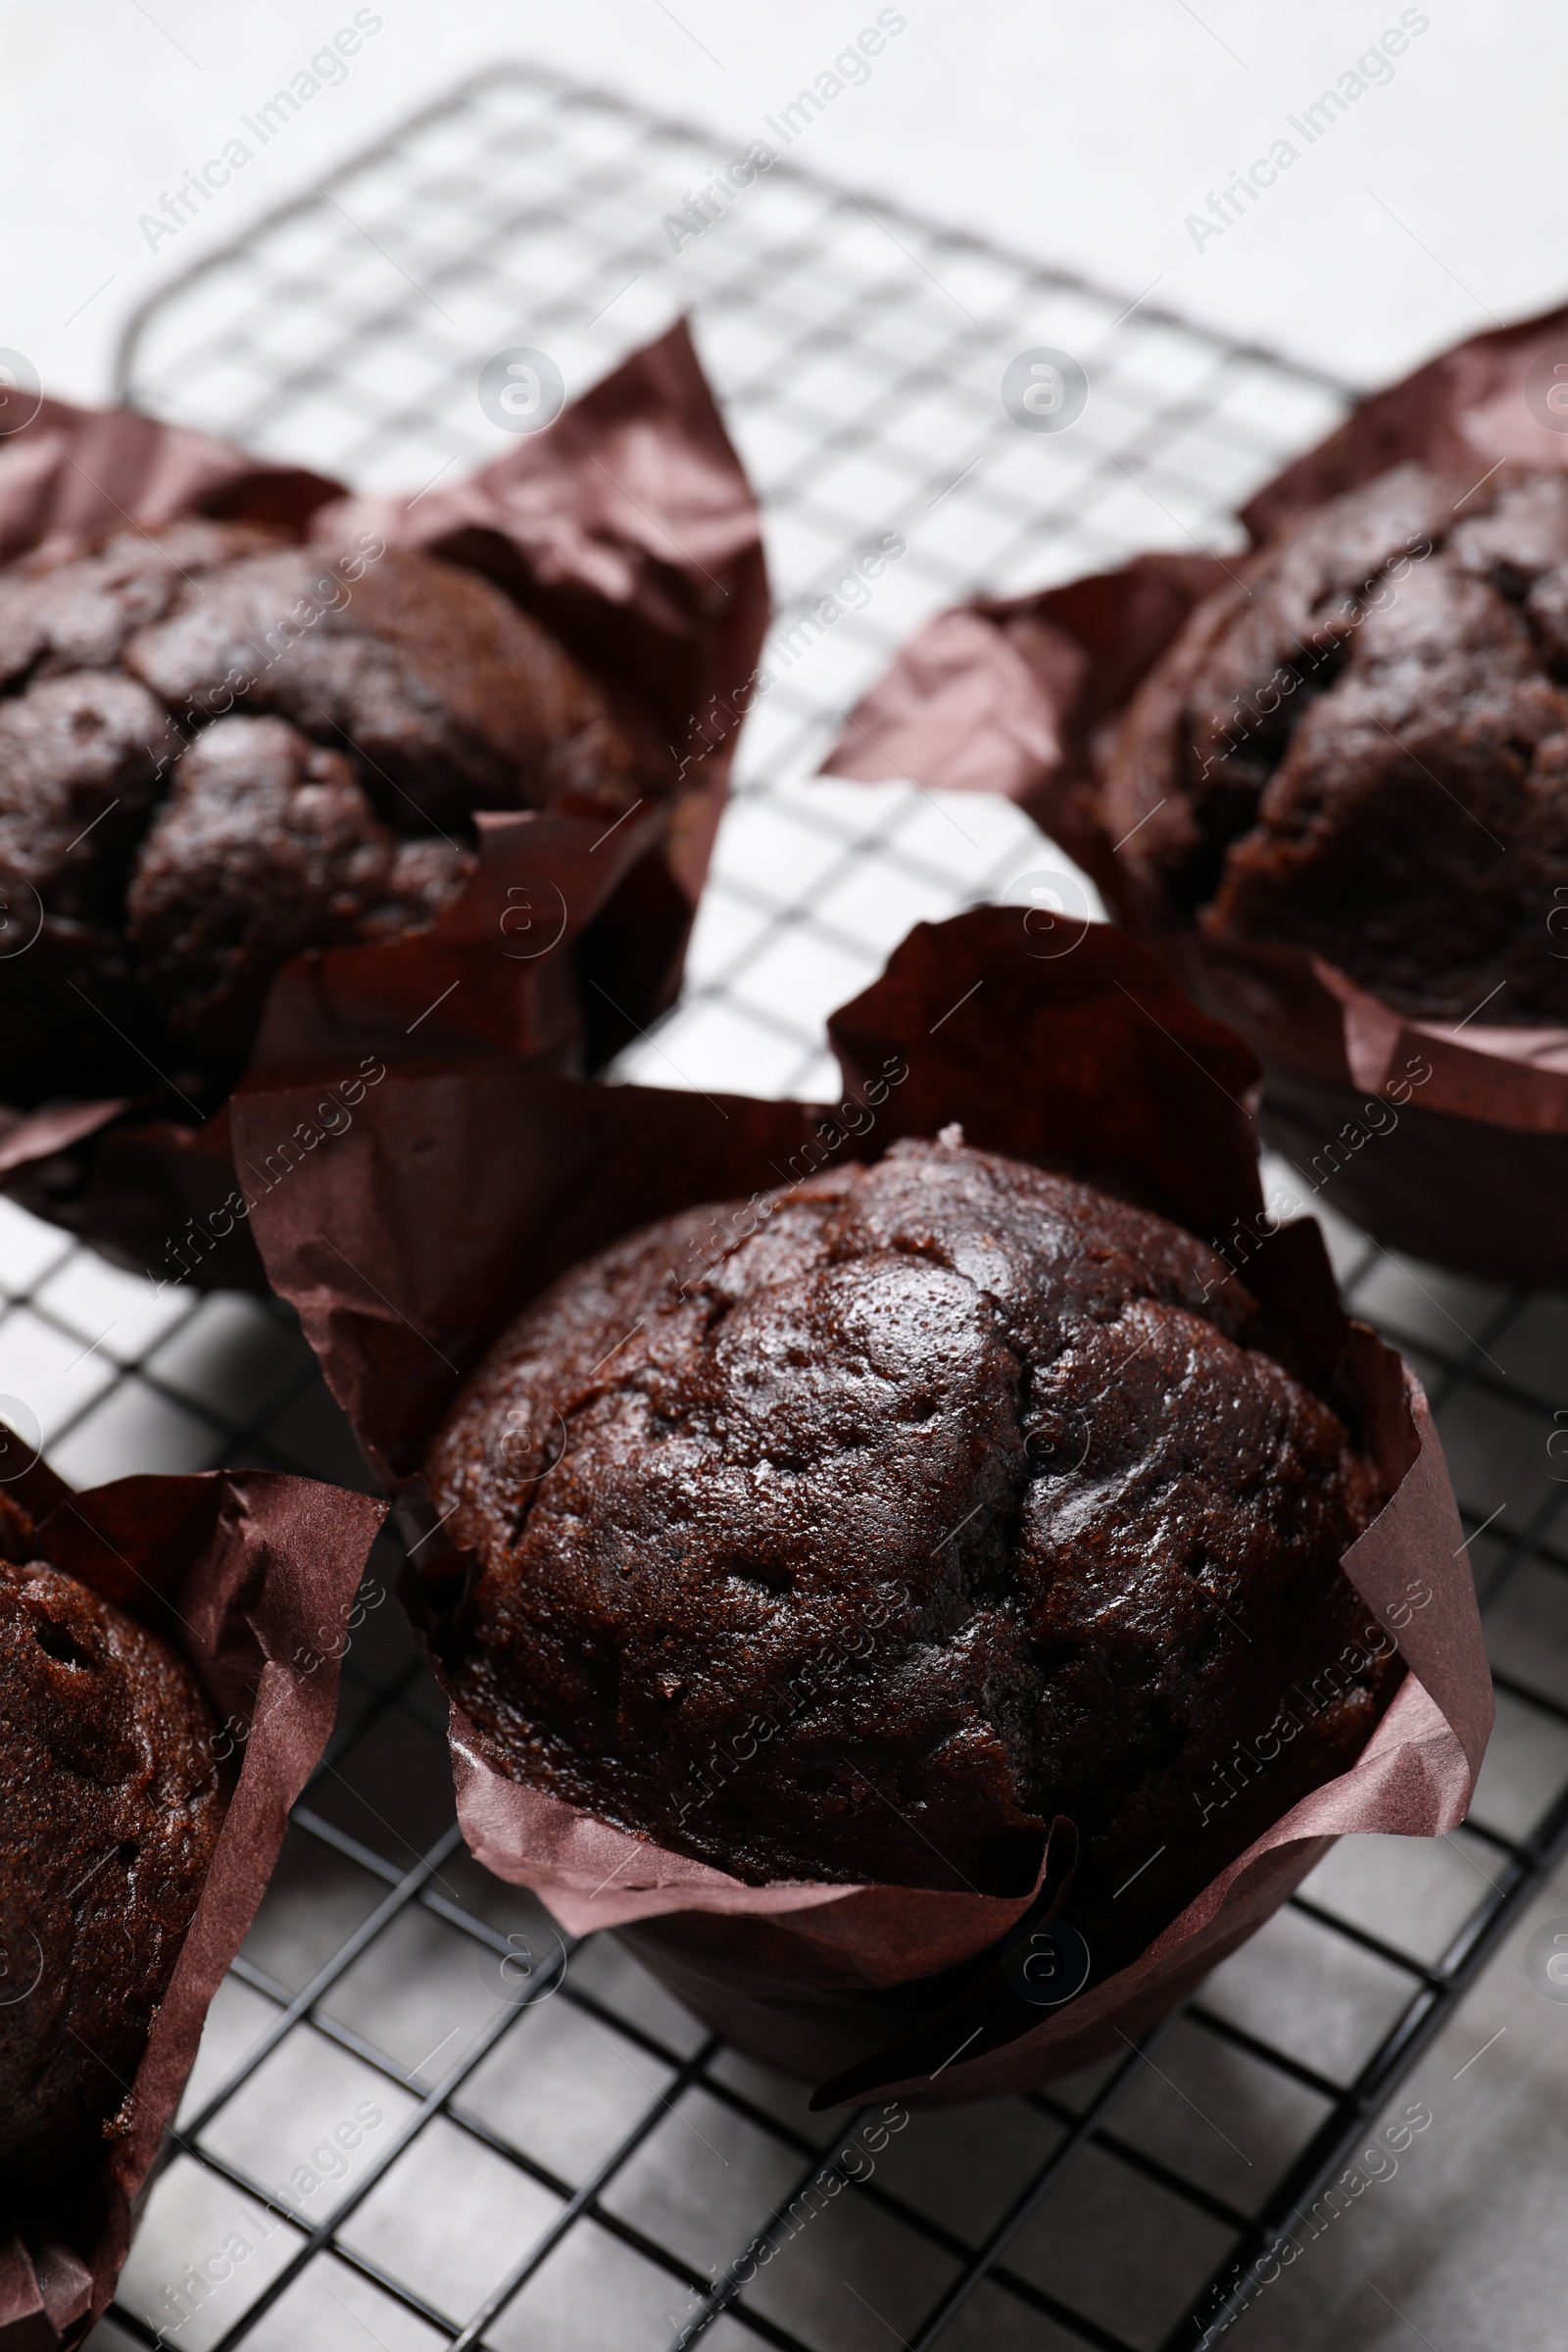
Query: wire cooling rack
(416, 2118)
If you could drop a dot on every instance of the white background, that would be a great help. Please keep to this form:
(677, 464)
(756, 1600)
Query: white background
(1081, 135)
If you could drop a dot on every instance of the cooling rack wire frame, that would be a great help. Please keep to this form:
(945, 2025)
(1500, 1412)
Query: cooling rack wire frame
(416, 2118)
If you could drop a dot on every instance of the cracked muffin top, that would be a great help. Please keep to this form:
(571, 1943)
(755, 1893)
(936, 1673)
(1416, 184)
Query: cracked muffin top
(218, 748)
(1361, 746)
(947, 1496)
(111, 1802)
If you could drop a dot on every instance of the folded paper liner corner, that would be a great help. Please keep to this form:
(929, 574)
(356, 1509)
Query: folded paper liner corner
(245, 1572)
(629, 529)
(1020, 696)
(415, 1238)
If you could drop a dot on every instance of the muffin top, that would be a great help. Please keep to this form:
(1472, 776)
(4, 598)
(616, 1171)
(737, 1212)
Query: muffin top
(218, 748)
(1361, 746)
(111, 1802)
(858, 1539)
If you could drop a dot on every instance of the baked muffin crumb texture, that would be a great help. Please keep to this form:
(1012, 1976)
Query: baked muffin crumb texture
(953, 1496)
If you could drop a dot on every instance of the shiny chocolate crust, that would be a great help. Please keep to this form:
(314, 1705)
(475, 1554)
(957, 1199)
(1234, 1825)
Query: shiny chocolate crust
(111, 1802)
(217, 749)
(1361, 746)
(857, 1540)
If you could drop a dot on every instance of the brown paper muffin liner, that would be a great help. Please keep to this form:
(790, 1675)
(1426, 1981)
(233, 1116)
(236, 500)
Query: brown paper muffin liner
(1465, 1156)
(250, 1575)
(414, 1239)
(629, 529)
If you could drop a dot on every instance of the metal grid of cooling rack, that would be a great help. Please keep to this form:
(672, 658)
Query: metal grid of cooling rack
(857, 352)
(558, 2156)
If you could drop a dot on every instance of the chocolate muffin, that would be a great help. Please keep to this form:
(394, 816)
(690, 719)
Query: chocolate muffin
(943, 1497)
(218, 748)
(1361, 746)
(111, 1803)
(267, 844)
